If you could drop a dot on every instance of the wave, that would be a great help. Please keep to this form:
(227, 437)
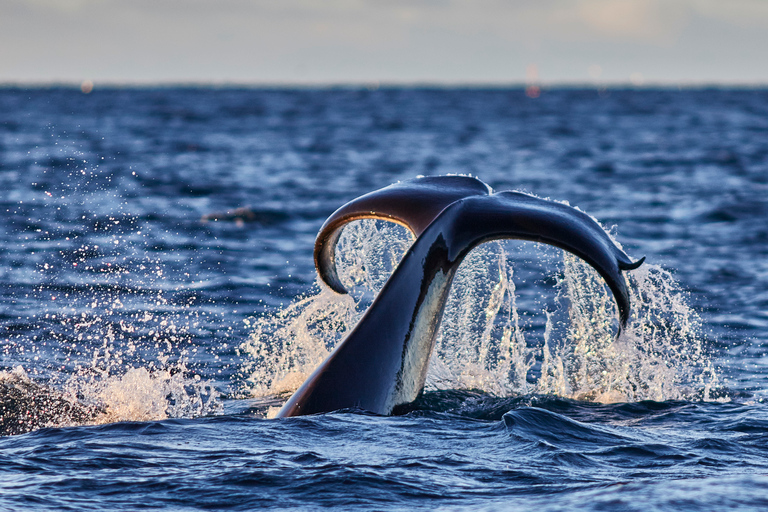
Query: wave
(88, 398)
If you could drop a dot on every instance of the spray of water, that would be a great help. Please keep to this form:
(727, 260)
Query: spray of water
(110, 351)
(659, 356)
(481, 343)
(484, 343)
(139, 372)
(102, 371)
(101, 341)
(287, 345)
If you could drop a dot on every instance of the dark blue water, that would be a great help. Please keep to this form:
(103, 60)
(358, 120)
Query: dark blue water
(123, 313)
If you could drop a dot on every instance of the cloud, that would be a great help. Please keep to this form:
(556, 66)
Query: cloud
(740, 13)
(649, 21)
(392, 40)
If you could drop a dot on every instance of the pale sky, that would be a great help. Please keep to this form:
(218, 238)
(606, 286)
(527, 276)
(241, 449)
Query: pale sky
(387, 41)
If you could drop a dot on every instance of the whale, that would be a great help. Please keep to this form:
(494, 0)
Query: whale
(381, 365)
(26, 405)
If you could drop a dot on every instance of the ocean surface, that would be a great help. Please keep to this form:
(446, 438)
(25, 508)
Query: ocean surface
(158, 301)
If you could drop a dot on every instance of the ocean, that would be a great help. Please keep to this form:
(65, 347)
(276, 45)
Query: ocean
(160, 301)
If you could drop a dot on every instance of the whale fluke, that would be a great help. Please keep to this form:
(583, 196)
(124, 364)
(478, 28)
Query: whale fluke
(413, 204)
(383, 361)
(630, 265)
(520, 216)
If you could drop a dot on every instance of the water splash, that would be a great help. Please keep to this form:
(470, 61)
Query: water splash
(368, 252)
(141, 394)
(120, 381)
(114, 351)
(481, 344)
(659, 355)
(139, 372)
(485, 344)
(97, 339)
(288, 344)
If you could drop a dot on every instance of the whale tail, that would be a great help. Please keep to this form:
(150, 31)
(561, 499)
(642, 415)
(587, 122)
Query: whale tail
(383, 361)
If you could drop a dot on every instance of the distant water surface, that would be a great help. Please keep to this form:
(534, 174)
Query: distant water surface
(149, 328)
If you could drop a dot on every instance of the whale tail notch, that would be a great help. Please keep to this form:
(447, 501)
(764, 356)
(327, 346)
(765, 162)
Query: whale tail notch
(631, 265)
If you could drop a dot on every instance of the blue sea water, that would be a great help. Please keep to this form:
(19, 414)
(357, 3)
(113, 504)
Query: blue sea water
(130, 325)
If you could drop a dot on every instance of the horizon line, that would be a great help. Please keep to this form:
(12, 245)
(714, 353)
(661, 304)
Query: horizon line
(383, 84)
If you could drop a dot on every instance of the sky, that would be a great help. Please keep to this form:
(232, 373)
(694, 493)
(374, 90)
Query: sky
(497, 42)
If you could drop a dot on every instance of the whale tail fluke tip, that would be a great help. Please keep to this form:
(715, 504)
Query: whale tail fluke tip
(630, 265)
